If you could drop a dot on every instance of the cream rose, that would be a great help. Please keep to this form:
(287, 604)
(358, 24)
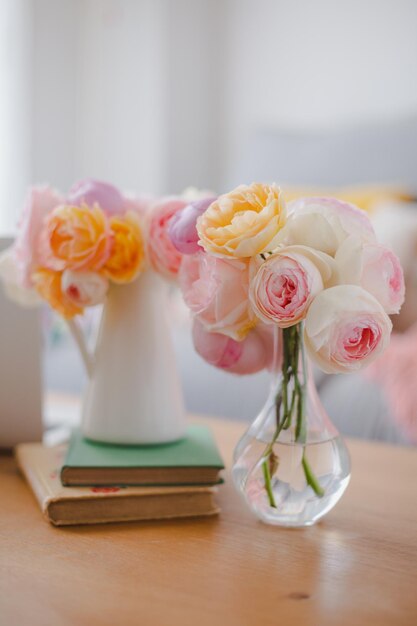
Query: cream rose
(244, 222)
(324, 223)
(84, 288)
(375, 268)
(346, 329)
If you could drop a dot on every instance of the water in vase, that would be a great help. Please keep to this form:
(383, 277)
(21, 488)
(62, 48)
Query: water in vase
(290, 500)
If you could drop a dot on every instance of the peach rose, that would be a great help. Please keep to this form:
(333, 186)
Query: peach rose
(77, 238)
(375, 268)
(284, 286)
(238, 357)
(163, 255)
(346, 329)
(216, 291)
(39, 203)
(48, 285)
(324, 223)
(127, 255)
(244, 222)
(84, 288)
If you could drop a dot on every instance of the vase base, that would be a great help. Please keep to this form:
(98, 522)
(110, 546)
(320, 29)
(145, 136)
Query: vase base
(138, 440)
(275, 517)
(289, 500)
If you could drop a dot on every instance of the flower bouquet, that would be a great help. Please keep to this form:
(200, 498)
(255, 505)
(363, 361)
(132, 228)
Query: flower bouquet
(98, 246)
(275, 287)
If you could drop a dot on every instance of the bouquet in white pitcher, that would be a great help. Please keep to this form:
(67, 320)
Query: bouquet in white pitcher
(71, 249)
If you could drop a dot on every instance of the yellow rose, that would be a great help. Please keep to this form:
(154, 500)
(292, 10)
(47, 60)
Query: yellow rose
(244, 222)
(76, 238)
(127, 254)
(48, 285)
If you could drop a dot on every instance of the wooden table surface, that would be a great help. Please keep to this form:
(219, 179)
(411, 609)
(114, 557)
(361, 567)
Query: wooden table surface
(358, 566)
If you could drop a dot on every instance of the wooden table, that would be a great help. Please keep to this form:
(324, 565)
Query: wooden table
(358, 566)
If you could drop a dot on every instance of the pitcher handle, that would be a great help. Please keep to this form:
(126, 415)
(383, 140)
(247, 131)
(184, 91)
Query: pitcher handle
(78, 336)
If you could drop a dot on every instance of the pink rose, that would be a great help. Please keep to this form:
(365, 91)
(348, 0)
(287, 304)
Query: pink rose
(375, 268)
(91, 192)
(216, 291)
(324, 223)
(284, 286)
(346, 329)
(84, 288)
(238, 357)
(183, 229)
(163, 255)
(39, 203)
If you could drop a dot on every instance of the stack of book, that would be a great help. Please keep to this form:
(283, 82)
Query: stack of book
(88, 483)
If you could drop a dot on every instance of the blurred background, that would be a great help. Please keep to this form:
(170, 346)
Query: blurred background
(157, 95)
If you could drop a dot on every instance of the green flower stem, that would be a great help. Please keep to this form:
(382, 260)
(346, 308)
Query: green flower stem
(293, 345)
(310, 477)
(288, 421)
(301, 429)
(268, 485)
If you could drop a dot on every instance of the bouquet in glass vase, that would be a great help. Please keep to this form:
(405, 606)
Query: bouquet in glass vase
(279, 287)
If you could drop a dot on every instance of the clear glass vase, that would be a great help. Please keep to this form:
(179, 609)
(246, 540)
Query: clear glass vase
(291, 465)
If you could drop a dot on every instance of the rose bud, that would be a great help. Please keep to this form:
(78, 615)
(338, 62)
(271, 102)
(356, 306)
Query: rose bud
(183, 230)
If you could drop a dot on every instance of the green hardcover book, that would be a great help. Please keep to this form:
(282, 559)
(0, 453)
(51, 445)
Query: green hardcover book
(194, 460)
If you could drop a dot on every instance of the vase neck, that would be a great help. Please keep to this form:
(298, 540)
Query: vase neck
(297, 409)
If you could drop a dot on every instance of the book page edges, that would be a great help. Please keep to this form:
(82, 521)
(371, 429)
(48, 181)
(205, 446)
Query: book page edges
(28, 462)
(70, 512)
(59, 504)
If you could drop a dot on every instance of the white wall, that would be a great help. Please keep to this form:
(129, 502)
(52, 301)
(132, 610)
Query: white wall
(158, 94)
(195, 95)
(55, 56)
(100, 91)
(121, 85)
(16, 46)
(303, 64)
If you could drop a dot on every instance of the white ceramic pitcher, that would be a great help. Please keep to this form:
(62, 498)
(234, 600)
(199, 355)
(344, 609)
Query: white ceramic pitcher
(134, 394)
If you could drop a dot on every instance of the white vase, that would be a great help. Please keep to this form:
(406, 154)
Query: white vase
(134, 394)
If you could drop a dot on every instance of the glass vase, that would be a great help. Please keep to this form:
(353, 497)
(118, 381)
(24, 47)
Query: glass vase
(291, 465)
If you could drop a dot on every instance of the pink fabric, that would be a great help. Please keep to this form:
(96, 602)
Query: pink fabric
(396, 372)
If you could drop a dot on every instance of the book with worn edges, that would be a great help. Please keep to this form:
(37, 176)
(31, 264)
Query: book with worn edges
(63, 506)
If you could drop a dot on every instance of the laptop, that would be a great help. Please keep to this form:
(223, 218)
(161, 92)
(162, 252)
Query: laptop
(20, 370)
